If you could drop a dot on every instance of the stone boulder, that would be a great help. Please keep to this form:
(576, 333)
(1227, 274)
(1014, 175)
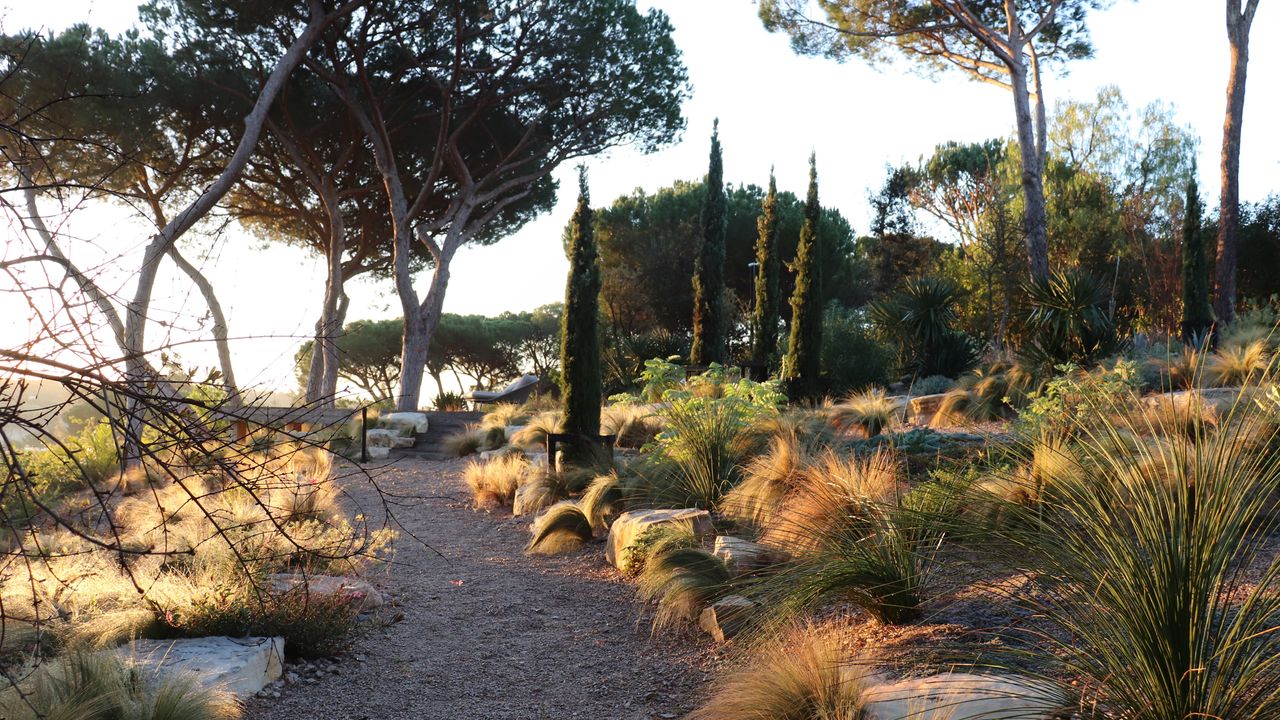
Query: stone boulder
(921, 409)
(383, 437)
(363, 596)
(415, 421)
(726, 617)
(1210, 404)
(240, 666)
(962, 696)
(741, 555)
(378, 453)
(631, 525)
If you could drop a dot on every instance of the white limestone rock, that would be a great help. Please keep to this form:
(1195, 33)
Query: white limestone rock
(415, 421)
(740, 555)
(384, 437)
(378, 453)
(962, 696)
(363, 596)
(240, 666)
(1210, 404)
(922, 408)
(631, 525)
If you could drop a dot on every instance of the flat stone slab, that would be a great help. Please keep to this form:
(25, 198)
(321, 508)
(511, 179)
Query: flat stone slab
(383, 437)
(740, 555)
(922, 408)
(240, 666)
(962, 696)
(363, 596)
(631, 525)
(1211, 404)
(377, 452)
(417, 421)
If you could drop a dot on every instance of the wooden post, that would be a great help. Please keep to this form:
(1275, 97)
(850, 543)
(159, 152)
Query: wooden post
(364, 424)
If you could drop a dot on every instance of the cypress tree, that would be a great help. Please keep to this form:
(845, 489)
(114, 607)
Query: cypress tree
(765, 317)
(581, 393)
(1197, 311)
(709, 322)
(804, 351)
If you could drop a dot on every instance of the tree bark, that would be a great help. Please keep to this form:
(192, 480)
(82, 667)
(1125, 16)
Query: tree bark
(419, 327)
(1238, 23)
(322, 379)
(1034, 217)
(219, 324)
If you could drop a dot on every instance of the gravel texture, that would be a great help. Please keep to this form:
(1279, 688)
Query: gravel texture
(474, 628)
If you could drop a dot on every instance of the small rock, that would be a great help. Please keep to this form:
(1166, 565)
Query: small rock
(741, 555)
(725, 617)
(629, 526)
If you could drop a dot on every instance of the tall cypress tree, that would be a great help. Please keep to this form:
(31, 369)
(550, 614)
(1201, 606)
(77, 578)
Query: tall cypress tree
(804, 352)
(709, 322)
(1197, 311)
(765, 317)
(581, 393)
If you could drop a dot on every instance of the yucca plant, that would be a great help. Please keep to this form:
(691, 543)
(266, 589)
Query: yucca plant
(871, 411)
(1069, 321)
(1239, 364)
(1152, 574)
(804, 674)
(920, 319)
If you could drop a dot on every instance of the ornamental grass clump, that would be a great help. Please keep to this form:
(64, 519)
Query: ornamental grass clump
(561, 528)
(1152, 572)
(870, 411)
(807, 673)
(494, 483)
(766, 480)
(1238, 365)
(856, 535)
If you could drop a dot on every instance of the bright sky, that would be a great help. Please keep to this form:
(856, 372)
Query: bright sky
(773, 108)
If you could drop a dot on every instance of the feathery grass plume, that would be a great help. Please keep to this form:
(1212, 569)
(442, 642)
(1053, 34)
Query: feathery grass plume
(463, 443)
(493, 484)
(102, 686)
(1238, 365)
(855, 535)
(540, 490)
(560, 528)
(657, 540)
(535, 431)
(1152, 571)
(634, 425)
(602, 501)
(805, 674)
(492, 438)
(502, 415)
(871, 411)
(809, 424)
(1181, 370)
(766, 480)
(682, 581)
(954, 409)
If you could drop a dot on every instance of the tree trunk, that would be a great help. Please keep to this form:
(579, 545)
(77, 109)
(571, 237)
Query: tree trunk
(322, 380)
(219, 324)
(419, 326)
(1224, 300)
(1034, 219)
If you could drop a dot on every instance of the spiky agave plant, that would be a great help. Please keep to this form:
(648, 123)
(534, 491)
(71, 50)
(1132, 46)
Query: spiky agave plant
(804, 674)
(1152, 574)
(871, 411)
(855, 534)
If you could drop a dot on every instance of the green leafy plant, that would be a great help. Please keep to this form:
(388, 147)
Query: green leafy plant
(1069, 321)
(920, 319)
(313, 625)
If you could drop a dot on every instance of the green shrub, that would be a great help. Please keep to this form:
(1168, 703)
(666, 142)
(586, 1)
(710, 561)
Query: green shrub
(312, 625)
(932, 385)
(851, 358)
(1069, 321)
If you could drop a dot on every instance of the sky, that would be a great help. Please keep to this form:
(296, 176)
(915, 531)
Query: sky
(774, 107)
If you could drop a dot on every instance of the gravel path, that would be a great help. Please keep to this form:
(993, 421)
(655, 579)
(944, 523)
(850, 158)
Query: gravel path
(488, 632)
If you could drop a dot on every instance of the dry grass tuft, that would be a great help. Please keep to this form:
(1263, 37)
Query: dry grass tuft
(766, 480)
(563, 527)
(494, 483)
(835, 490)
(1238, 365)
(871, 411)
(804, 675)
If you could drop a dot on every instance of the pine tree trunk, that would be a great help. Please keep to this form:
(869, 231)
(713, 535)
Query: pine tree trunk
(1224, 301)
(1034, 218)
(420, 324)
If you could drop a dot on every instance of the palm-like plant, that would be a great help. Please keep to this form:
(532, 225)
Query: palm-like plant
(920, 317)
(1069, 320)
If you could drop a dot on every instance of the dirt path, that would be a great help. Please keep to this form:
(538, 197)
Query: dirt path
(488, 632)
